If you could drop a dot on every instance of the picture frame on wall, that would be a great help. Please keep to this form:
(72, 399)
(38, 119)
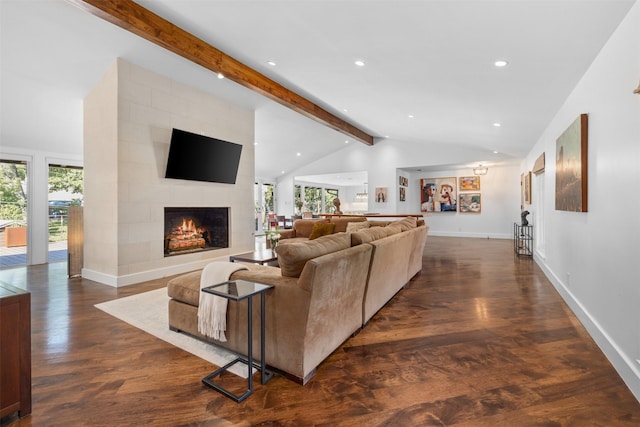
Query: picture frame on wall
(438, 195)
(572, 167)
(402, 192)
(469, 183)
(381, 194)
(526, 188)
(403, 181)
(470, 202)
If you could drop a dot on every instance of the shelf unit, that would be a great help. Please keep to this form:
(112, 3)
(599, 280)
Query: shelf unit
(523, 239)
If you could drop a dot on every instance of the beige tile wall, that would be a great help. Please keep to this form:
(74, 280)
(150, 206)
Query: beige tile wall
(125, 157)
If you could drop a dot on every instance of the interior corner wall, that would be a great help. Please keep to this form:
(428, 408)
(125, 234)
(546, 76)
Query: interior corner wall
(129, 117)
(592, 257)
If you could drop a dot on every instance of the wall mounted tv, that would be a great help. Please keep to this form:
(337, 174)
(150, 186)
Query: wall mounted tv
(201, 158)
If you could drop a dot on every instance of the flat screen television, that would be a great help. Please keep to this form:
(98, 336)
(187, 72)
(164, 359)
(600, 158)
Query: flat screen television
(201, 158)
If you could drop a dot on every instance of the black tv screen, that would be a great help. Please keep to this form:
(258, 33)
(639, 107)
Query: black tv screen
(202, 158)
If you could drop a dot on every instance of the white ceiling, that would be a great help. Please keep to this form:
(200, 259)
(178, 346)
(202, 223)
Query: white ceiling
(430, 59)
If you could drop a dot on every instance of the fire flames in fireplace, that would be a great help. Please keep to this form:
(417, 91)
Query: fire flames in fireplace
(187, 236)
(195, 229)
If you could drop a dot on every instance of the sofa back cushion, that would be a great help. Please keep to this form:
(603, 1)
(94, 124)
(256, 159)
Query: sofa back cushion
(304, 227)
(292, 257)
(352, 227)
(404, 224)
(370, 234)
(342, 222)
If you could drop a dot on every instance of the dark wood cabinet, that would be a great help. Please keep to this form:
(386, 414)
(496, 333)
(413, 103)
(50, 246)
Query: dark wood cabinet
(15, 351)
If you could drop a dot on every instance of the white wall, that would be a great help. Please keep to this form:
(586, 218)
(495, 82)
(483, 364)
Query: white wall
(384, 162)
(129, 117)
(500, 200)
(592, 258)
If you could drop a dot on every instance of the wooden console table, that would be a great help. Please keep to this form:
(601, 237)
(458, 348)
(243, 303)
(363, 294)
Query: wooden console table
(15, 347)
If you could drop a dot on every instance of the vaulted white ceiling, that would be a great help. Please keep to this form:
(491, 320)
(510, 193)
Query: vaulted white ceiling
(433, 60)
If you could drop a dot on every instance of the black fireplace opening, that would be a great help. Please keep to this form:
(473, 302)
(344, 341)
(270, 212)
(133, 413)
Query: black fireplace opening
(189, 230)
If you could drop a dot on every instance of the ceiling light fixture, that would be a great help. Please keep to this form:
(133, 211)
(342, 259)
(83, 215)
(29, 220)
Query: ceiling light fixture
(411, 116)
(501, 63)
(359, 63)
(273, 64)
(347, 141)
(220, 76)
(363, 197)
(298, 154)
(497, 124)
(480, 170)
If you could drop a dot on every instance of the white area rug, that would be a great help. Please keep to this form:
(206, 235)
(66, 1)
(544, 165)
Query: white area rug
(149, 311)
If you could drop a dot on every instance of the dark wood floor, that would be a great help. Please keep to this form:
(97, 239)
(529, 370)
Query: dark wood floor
(480, 338)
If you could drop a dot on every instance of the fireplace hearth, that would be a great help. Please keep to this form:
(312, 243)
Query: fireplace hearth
(189, 230)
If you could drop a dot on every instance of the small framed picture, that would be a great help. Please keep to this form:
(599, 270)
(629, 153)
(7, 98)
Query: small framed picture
(470, 202)
(402, 193)
(469, 183)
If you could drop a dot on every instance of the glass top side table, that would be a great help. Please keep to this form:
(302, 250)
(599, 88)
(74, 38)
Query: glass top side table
(237, 290)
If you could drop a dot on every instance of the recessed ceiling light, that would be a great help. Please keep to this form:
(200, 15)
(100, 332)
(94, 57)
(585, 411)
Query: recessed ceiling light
(345, 110)
(411, 116)
(281, 171)
(255, 143)
(501, 63)
(220, 76)
(496, 124)
(359, 63)
(496, 152)
(272, 63)
(347, 141)
(298, 154)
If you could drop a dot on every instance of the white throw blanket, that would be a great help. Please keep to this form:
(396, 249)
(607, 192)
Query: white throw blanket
(212, 311)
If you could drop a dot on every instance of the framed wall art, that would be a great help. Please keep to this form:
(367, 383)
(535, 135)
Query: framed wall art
(403, 181)
(469, 183)
(571, 167)
(438, 195)
(470, 202)
(381, 194)
(402, 192)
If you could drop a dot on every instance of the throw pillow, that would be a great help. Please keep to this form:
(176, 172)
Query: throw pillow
(355, 226)
(321, 229)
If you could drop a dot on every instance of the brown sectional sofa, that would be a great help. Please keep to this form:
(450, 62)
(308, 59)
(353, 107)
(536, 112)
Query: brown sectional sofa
(325, 290)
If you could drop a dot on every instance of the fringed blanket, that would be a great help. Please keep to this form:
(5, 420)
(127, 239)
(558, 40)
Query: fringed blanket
(212, 310)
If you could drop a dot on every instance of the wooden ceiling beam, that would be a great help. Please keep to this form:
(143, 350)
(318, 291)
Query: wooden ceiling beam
(146, 24)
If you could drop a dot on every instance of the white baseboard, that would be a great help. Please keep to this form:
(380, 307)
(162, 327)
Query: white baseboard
(623, 364)
(473, 235)
(143, 276)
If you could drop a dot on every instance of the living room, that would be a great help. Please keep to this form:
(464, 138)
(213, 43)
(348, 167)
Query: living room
(589, 257)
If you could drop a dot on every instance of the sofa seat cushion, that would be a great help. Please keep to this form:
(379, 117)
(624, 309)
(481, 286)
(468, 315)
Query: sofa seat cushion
(292, 257)
(186, 287)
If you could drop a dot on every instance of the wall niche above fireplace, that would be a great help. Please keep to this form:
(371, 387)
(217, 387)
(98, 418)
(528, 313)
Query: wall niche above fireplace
(189, 230)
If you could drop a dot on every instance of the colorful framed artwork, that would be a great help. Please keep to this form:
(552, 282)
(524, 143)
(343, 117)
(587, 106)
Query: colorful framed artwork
(469, 183)
(470, 202)
(571, 167)
(402, 192)
(438, 195)
(403, 181)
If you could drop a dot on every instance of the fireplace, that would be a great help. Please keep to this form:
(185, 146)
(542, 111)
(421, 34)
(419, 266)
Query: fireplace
(189, 230)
